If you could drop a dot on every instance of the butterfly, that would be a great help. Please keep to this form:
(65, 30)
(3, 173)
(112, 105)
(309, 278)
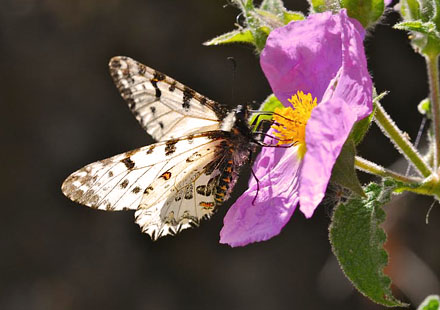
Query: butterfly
(187, 174)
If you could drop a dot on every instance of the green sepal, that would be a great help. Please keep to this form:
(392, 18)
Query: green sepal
(235, 36)
(361, 127)
(367, 12)
(344, 172)
(357, 241)
(432, 302)
(268, 105)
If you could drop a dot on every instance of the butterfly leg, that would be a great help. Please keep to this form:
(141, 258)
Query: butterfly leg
(255, 176)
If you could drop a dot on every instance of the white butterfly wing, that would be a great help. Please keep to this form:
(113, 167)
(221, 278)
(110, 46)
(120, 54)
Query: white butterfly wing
(118, 183)
(165, 108)
(187, 194)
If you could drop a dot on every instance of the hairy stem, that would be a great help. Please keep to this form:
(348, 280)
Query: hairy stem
(372, 168)
(390, 129)
(433, 76)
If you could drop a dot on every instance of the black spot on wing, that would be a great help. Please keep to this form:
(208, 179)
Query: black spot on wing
(157, 77)
(148, 190)
(188, 94)
(170, 147)
(136, 190)
(151, 148)
(189, 192)
(128, 163)
(124, 183)
(172, 86)
(142, 69)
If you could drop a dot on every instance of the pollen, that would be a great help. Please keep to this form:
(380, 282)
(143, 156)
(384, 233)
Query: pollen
(290, 122)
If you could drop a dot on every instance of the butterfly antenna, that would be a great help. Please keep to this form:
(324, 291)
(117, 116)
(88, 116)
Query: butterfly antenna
(234, 69)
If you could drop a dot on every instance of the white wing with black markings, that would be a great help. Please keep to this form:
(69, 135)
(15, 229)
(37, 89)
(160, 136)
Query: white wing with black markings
(165, 108)
(172, 184)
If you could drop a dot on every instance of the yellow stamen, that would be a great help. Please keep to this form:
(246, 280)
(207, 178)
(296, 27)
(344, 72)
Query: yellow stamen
(291, 123)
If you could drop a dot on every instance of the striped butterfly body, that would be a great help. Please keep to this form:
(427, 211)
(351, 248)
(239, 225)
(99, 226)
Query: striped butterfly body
(187, 174)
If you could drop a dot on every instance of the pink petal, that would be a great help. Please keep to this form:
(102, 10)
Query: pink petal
(276, 200)
(355, 85)
(304, 55)
(326, 132)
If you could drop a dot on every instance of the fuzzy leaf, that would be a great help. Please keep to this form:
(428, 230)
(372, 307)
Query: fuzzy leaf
(291, 15)
(235, 36)
(344, 172)
(427, 28)
(432, 302)
(357, 242)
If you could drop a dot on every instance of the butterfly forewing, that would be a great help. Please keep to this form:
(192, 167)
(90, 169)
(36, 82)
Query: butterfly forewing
(165, 108)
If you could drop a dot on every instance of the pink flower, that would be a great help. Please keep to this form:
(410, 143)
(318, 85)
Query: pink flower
(322, 56)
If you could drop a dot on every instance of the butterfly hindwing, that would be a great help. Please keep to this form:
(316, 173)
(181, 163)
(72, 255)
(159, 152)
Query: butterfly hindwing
(119, 182)
(190, 196)
(165, 108)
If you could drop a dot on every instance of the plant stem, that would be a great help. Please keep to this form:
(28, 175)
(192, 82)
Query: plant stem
(372, 168)
(433, 76)
(396, 136)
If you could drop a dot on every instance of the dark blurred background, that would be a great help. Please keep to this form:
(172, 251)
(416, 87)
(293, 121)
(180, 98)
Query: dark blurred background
(61, 111)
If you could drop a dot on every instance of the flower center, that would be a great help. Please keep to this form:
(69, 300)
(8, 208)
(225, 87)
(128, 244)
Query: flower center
(291, 122)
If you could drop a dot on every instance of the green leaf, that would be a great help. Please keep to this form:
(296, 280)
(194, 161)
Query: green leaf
(427, 28)
(269, 105)
(357, 242)
(344, 172)
(235, 36)
(367, 12)
(290, 16)
(432, 302)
